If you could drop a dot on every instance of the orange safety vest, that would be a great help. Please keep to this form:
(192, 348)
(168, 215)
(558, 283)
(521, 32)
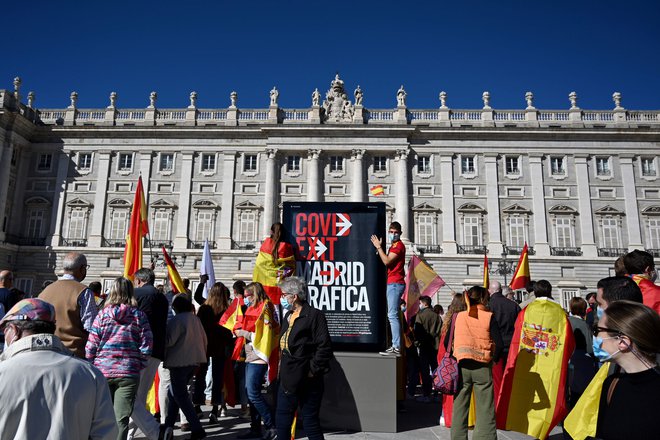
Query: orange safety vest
(472, 336)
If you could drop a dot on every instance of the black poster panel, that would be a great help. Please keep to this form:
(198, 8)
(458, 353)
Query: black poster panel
(346, 278)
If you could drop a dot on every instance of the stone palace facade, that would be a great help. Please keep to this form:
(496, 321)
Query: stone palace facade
(581, 187)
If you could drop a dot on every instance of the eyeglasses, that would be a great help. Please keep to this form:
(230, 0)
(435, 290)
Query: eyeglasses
(598, 330)
(86, 266)
(286, 294)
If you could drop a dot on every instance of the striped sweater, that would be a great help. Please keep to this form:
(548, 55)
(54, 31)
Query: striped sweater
(120, 341)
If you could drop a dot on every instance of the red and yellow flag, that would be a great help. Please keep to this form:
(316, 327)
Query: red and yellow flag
(582, 421)
(377, 190)
(533, 395)
(137, 229)
(486, 274)
(270, 274)
(420, 280)
(261, 321)
(173, 274)
(521, 276)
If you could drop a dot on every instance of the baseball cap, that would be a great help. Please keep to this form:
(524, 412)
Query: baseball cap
(30, 309)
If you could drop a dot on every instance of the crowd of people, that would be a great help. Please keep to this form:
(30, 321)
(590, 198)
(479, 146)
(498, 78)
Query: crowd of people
(90, 360)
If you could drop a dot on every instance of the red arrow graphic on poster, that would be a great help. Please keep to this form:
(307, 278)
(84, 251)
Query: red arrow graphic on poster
(344, 223)
(329, 273)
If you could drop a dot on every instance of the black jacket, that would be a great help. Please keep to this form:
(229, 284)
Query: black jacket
(154, 304)
(309, 349)
(505, 313)
(217, 336)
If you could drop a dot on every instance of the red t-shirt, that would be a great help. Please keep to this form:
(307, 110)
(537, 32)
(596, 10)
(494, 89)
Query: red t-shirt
(395, 270)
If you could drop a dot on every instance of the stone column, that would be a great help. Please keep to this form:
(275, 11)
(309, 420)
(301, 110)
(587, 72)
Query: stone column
(313, 189)
(541, 245)
(584, 203)
(183, 220)
(227, 210)
(357, 187)
(270, 196)
(146, 162)
(630, 197)
(57, 209)
(100, 206)
(5, 166)
(402, 204)
(448, 211)
(493, 205)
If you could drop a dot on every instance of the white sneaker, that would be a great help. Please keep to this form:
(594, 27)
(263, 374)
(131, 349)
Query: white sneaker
(392, 351)
(442, 420)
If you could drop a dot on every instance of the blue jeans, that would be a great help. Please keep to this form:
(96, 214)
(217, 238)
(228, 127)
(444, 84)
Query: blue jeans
(394, 292)
(254, 378)
(178, 397)
(309, 398)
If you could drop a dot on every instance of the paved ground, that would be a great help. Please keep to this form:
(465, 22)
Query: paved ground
(418, 422)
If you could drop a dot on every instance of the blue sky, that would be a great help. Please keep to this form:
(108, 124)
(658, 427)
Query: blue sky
(213, 47)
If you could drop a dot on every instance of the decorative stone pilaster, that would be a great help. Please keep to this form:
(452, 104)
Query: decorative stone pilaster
(402, 204)
(630, 199)
(357, 186)
(100, 205)
(227, 212)
(584, 203)
(183, 220)
(448, 210)
(541, 244)
(150, 114)
(493, 205)
(232, 111)
(270, 195)
(313, 185)
(71, 110)
(191, 111)
(57, 209)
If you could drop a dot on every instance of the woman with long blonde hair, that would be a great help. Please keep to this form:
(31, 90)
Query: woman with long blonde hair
(259, 325)
(119, 344)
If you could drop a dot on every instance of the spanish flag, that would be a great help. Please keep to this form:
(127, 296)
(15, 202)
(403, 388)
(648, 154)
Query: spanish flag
(260, 320)
(486, 274)
(232, 320)
(582, 421)
(270, 273)
(521, 276)
(137, 229)
(173, 274)
(533, 395)
(377, 190)
(420, 280)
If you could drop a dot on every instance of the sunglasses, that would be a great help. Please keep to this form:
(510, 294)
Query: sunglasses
(598, 330)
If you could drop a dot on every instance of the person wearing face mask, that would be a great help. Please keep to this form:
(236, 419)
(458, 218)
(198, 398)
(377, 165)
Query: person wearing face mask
(640, 266)
(305, 356)
(394, 259)
(45, 391)
(627, 335)
(258, 333)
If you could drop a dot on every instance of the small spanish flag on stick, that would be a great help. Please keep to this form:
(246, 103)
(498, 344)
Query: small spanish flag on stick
(377, 190)
(486, 274)
(521, 276)
(173, 274)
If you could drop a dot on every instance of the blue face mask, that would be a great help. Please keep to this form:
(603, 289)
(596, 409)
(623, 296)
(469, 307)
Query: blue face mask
(599, 313)
(601, 354)
(286, 305)
(246, 301)
(393, 237)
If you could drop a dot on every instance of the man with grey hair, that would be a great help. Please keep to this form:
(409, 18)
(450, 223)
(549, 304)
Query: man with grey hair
(505, 313)
(306, 351)
(74, 303)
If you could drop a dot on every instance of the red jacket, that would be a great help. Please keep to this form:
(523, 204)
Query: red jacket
(650, 293)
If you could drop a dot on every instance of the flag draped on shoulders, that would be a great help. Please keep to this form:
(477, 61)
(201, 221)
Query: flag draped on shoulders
(486, 272)
(137, 229)
(533, 395)
(420, 280)
(173, 274)
(650, 291)
(261, 321)
(521, 276)
(582, 421)
(270, 273)
(232, 320)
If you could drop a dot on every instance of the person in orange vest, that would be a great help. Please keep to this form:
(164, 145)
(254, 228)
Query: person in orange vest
(477, 344)
(640, 266)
